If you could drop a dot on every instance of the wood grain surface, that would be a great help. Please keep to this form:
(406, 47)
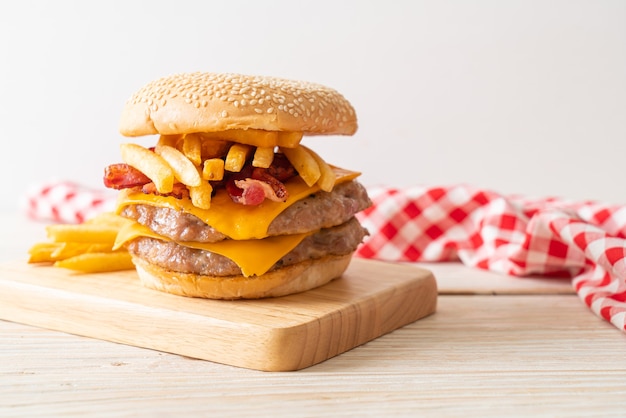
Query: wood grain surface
(479, 355)
(497, 346)
(287, 333)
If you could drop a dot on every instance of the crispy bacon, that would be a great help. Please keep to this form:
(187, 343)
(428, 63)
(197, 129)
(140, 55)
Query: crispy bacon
(281, 169)
(123, 176)
(256, 191)
(252, 185)
(253, 192)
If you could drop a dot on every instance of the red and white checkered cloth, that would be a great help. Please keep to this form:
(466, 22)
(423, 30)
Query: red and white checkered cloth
(483, 229)
(507, 234)
(65, 202)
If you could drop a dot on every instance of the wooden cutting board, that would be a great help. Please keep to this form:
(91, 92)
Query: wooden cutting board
(288, 333)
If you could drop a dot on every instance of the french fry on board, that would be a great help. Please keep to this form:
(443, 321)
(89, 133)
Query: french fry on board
(41, 252)
(83, 233)
(86, 247)
(98, 262)
(72, 249)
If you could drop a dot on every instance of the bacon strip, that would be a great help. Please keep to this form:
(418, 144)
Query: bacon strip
(123, 176)
(255, 192)
(253, 185)
(250, 186)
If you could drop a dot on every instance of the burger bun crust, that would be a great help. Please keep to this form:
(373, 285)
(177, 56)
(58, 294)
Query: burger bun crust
(211, 102)
(281, 282)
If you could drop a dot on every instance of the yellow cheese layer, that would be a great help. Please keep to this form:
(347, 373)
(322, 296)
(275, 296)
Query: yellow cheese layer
(254, 257)
(237, 221)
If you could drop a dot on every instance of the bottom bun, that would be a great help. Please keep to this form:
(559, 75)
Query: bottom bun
(285, 281)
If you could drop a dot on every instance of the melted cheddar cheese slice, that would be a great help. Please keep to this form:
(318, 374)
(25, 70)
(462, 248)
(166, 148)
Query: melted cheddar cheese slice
(254, 257)
(239, 222)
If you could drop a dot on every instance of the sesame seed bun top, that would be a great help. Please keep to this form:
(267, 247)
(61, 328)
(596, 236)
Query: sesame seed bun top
(210, 102)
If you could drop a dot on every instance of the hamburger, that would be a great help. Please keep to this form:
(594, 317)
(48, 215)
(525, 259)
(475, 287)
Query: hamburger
(225, 200)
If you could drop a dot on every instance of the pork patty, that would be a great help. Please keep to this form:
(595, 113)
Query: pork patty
(338, 240)
(319, 210)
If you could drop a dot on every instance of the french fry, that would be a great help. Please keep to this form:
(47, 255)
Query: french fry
(263, 157)
(98, 262)
(304, 163)
(169, 140)
(236, 157)
(289, 139)
(70, 240)
(41, 252)
(184, 170)
(150, 164)
(211, 147)
(72, 249)
(192, 148)
(327, 175)
(257, 137)
(201, 195)
(82, 233)
(213, 169)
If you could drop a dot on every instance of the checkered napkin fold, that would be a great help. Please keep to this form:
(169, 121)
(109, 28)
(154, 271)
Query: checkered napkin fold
(507, 234)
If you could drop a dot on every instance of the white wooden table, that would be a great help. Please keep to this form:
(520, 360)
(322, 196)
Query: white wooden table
(497, 346)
